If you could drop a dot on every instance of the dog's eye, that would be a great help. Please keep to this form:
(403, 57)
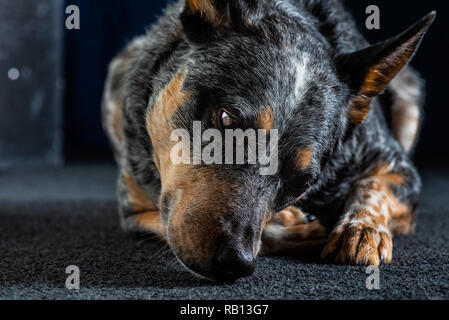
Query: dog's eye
(226, 120)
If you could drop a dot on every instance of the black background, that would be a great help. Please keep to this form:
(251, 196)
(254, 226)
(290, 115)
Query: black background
(107, 25)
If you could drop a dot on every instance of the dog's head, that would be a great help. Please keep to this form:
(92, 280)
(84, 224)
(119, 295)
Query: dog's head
(255, 65)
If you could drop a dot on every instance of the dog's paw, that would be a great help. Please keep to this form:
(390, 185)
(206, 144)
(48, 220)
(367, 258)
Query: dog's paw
(293, 240)
(292, 216)
(359, 244)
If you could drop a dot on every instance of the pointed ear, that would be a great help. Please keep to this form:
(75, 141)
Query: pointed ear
(211, 12)
(369, 71)
(202, 20)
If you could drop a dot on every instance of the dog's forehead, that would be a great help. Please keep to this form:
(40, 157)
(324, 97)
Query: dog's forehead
(257, 74)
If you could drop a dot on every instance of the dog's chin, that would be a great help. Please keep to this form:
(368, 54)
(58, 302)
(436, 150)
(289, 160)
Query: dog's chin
(192, 267)
(209, 274)
(197, 271)
(206, 274)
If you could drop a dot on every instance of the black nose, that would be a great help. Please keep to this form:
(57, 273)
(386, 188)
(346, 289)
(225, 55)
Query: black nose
(232, 263)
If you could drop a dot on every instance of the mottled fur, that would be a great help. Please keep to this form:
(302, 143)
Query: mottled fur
(344, 140)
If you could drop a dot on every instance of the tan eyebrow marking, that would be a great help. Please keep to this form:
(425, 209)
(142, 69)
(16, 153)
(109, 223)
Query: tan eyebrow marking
(303, 158)
(265, 119)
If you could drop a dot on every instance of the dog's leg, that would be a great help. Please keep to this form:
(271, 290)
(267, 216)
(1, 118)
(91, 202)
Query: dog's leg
(138, 212)
(373, 213)
(291, 232)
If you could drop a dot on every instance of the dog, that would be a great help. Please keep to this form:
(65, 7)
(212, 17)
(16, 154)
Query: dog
(347, 113)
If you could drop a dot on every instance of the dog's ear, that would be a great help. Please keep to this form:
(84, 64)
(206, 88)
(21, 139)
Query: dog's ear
(203, 19)
(212, 12)
(369, 71)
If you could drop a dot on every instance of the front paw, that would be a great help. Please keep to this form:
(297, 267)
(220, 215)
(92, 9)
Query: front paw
(359, 244)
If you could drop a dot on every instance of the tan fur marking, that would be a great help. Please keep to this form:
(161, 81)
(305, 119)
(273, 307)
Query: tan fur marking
(403, 224)
(359, 110)
(138, 198)
(266, 119)
(158, 120)
(376, 80)
(147, 215)
(385, 174)
(303, 158)
(151, 220)
(293, 240)
(202, 6)
(192, 189)
(207, 9)
(200, 193)
(289, 217)
(288, 233)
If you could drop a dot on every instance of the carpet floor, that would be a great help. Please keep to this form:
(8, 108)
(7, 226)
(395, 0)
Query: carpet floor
(53, 218)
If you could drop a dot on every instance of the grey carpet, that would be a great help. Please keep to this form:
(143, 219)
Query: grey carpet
(50, 219)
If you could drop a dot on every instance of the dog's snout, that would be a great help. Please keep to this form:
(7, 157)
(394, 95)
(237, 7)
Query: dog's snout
(232, 262)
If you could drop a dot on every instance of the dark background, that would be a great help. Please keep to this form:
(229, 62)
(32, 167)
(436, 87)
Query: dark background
(107, 25)
(31, 82)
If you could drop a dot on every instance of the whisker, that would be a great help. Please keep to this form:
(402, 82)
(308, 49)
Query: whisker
(161, 252)
(152, 237)
(174, 261)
